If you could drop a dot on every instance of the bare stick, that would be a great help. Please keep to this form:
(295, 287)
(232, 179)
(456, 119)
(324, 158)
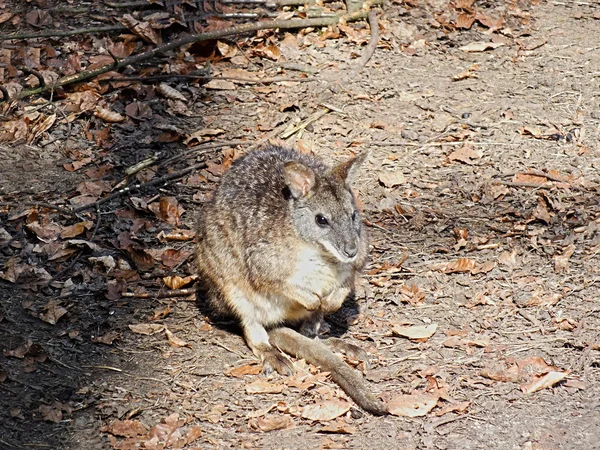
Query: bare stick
(137, 187)
(44, 34)
(246, 28)
(171, 293)
(368, 53)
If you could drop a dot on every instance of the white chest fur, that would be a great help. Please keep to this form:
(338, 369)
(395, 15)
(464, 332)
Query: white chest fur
(317, 274)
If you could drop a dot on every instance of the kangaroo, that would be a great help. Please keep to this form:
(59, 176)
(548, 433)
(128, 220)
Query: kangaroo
(281, 243)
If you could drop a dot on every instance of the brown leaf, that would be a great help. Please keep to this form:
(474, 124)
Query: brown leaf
(465, 21)
(28, 349)
(544, 381)
(142, 259)
(147, 328)
(177, 282)
(338, 427)
(138, 110)
(109, 116)
(52, 312)
(509, 259)
(459, 407)
(561, 262)
(415, 332)
(539, 299)
(76, 229)
(325, 411)
(172, 258)
(224, 85)
(175, 341)
(107, 338)
(271, 423)
(51, 413)
(170, 92)
(161, 313)
(126, 428)
(215, 414)
(414, 405)
(466, 154)
(246, 369)
(47, 232)
(391, 179)
(262, 386)
(38, 18)
(142, 29)
(460, 265)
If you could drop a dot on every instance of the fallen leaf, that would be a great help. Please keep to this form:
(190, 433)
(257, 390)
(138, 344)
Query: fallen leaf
(170, 92)
(76, 229)
(466, 154)
(28, 349)
(325, 411)
(224, 85)
(561, 262)
(459, 407)
(391, 179)
(147, 328)
(246, 369)
(177, 282)
(544, 381)
(126, 428)
(264, 387)
(480, 46)
(415, 332)
(509, 259)
(52, 312)
(271, 423)
(338, 427)
(175, 341)
(414, 405)
(107, 338)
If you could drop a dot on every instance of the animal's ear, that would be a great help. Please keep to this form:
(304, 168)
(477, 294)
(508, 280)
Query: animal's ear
(347, 170)
(298, 178)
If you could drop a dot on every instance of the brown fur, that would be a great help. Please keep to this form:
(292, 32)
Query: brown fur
(281, 243)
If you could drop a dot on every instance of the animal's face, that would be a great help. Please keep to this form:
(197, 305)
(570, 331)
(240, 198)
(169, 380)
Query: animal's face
(323, 210)
(330, 218)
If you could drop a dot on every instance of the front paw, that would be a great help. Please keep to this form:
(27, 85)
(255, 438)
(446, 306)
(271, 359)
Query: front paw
(309, 301)
(334, 301)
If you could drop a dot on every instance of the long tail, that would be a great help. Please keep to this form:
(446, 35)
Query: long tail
(317, 353)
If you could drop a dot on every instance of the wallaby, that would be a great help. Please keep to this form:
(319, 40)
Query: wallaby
(281, 242)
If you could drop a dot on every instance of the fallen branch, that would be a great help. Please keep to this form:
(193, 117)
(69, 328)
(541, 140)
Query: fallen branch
(56, 33)
(171, 293)
(137, 187)
(217, 34)
(368, 53)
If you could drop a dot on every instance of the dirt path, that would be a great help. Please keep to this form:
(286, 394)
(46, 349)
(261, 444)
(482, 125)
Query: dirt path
(527, 285)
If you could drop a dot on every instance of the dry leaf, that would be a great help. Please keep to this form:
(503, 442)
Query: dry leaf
(246, 369)
(108, 338)
(261, 386)
(177, 282)
(561, 262)
(147, 328)
(326, 411)
(171, 93)
(175, 341)
(460, 265)
(52, 312)
(466, 154)
(414, 331)
(465, 21)
(75, 230)
(391, 179)
(508, 258)
(459, 407)
(223, 85)
(271, 423)
(109, 116)
(415, 405)
(544, 381)
(142, 29)
(338, 427)
(480, 46)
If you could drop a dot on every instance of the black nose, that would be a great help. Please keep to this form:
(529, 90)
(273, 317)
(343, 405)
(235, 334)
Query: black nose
(350, 250)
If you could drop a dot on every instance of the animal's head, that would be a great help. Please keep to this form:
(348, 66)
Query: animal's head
(323, 207)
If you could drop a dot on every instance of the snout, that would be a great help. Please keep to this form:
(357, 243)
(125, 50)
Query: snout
(350, 250)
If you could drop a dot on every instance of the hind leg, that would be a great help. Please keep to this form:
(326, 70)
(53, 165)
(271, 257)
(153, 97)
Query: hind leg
(271, 358)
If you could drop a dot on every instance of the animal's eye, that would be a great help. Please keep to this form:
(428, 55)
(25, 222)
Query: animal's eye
(321, 220)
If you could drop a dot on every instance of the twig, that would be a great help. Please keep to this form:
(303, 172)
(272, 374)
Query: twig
(137, 187)
(60, 209)
(368, 53)
(35, 73)
(306, 122)
(202, 149)
(171, 293)
(209, 77)
(216, 34)
(44, 34)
